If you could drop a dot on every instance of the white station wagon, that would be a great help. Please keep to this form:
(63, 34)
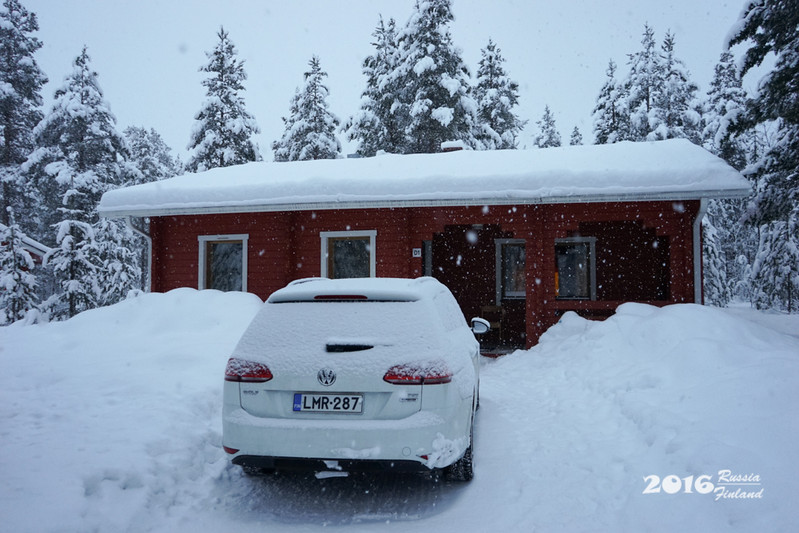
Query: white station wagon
(355, 374)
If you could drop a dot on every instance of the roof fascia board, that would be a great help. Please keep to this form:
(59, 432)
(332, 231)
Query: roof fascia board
(450, 202)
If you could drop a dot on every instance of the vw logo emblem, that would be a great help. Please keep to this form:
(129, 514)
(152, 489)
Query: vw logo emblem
(326, 377)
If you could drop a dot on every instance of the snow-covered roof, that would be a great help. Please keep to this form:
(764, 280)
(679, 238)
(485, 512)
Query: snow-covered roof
(31, 246)
(664, 170)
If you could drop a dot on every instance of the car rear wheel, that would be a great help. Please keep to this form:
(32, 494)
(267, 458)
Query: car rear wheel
(463, 468)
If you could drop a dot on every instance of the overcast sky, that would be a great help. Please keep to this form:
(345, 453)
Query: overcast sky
(148, 52)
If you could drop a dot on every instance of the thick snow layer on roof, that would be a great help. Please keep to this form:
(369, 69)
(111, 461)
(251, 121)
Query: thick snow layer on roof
(663, 170)
(30, 245)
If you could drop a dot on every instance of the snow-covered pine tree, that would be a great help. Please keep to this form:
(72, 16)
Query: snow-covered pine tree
(153, 160)
(676, 108)
(17, 281)
(120, 260)
(726, 99)
(496, 95)
(21, 82)
(310, 128)
(74, 261)
(769, 28)
(611, 116)
(548, 135)
(716, 287)
(576, 137)
(223, 129)
(435, 100)
(642, 86)
(775, 272)
(150, 155)
(732, 244)
(78, 149)
(375, 127)
(79, 156)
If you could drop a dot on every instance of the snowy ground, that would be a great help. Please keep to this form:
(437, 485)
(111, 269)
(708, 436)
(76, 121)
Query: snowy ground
(111, 422)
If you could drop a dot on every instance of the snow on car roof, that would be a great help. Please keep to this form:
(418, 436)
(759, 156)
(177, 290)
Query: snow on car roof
(663, 170)
(373, 289)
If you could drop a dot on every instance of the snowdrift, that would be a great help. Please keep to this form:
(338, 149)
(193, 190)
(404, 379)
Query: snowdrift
(111, 422)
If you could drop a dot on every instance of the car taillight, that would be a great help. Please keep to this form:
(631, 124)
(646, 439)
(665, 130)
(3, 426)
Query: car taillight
(432, 373)
(246, 371)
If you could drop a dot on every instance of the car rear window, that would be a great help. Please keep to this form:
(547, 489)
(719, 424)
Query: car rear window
(322, 323)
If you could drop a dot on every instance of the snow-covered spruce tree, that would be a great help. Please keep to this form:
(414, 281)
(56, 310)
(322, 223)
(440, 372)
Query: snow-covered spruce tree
(548, 135)
(120, 269)
(80, 155)
(732, 246)
(769, 27)
(17, 281)
(78, 149)
(726, 99)
(642, 87)
(677, 113)
(150, 155)
(153, 160)
(611, 117)
(775, 272)
(435, 100)
(716, 287)
(375, 127)
(310, 128)
(75, 259)
(576, 138)
(223, 129)
(21, 83)
(496, 95)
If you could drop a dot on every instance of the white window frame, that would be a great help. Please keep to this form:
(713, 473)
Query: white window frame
(203, 240)
(499, 243)
(327, 235)
(591, 241)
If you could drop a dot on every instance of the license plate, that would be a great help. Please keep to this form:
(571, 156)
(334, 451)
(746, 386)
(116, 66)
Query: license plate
(328, 403)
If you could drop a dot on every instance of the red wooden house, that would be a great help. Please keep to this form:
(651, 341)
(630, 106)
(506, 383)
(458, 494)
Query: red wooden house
(36, 249)
(519, 236)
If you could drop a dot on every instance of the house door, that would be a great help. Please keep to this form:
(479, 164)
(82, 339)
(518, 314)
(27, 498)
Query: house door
(464, 258)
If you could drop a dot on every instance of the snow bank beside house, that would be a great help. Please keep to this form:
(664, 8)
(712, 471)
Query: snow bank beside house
(685, 391)
(103, 413)
(112, 422)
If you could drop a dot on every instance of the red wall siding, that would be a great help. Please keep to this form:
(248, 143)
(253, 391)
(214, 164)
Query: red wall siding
(176, 249)
(287, 245)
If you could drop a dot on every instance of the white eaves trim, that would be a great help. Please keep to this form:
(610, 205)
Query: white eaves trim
(471, 202)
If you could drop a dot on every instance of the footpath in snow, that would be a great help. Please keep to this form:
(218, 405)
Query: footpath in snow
(111, 421)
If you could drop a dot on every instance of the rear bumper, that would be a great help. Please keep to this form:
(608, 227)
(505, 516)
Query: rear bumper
(425, 440)
(320, 465)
